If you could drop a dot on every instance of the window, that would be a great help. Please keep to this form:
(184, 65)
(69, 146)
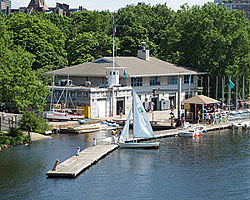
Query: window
(154, 81)
(187, 77)
(172, 80)
(135, 82)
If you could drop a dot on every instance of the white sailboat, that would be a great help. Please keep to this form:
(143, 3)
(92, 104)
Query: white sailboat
(141, 127)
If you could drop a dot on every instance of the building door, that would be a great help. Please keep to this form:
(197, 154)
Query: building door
(101, 108)
(120, 103)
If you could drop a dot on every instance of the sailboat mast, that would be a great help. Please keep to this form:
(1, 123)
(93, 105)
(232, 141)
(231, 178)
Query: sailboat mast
(51, 99)
(66, 96)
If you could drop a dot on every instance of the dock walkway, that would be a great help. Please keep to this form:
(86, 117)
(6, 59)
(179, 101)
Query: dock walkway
(76, 164)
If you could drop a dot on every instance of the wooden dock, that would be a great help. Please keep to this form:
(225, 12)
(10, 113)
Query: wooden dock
(73, 166)
(77, 164)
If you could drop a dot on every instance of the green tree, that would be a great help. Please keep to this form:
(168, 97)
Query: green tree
(18, 83)
(88, 46)
(39, 37)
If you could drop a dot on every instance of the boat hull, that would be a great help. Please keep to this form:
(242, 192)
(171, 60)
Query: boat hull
(140, 145)
(189, 134)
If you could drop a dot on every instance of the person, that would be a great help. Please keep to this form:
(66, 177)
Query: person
(151, 106)
(120, 111)
(113, 137)
(4, 115)
(172, 117)
(182, 119)
(119, 135)
(199, 116)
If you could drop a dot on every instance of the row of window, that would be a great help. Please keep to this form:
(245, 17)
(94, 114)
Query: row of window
(172, 80)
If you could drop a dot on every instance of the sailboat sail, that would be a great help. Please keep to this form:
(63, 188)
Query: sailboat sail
(141, 125)
(125, 130)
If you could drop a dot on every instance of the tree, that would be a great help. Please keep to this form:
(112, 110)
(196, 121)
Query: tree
(88, 46)
(18, 83)
(39, 37)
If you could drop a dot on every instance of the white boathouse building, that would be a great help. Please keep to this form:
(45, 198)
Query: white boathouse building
(106, 87)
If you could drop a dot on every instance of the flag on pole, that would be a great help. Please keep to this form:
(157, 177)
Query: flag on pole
(114, 29)
(125, 74)
(231, 84)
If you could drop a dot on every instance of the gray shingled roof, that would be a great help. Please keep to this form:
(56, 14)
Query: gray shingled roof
(135, 67)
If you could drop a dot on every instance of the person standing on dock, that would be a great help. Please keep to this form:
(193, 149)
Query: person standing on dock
(113, 137)
(119, 135)
(4, 115)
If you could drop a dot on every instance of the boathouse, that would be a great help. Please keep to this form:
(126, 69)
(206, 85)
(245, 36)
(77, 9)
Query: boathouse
(154, 81)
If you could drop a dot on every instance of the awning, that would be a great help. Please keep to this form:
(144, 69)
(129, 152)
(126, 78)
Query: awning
(201, 99)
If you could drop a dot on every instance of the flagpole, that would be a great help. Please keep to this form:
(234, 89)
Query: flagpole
(189, 82)
(208, 91)
(237, 89)
(216, 94)
(229, 94)
(243, 91)
(113, 42)
(223, 88)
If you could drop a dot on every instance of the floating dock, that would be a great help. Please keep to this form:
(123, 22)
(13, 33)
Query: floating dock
(73, 166)
(86, 158)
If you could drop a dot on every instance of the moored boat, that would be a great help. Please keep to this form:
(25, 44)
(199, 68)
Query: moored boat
(191, 132)
(141, 127)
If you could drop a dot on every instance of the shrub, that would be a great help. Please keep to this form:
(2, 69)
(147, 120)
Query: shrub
(7, 141)
(14, 132)
(31, 122)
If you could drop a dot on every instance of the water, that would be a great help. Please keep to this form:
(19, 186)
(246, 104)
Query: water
(214, 166)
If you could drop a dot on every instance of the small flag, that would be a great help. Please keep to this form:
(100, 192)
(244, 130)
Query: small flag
(231, 84)
(125, 74)
(114, 29)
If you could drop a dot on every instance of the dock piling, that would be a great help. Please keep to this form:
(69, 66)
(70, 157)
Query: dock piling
(55, 165)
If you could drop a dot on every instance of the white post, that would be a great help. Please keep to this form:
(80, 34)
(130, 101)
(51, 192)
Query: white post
(94, 141)
(179, 99)
(77, 151)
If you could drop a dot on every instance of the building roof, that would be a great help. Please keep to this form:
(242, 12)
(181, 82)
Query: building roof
(135, 67)
(201, 99)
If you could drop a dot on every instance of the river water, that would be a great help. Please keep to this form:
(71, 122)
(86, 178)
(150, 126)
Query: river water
(214, 166)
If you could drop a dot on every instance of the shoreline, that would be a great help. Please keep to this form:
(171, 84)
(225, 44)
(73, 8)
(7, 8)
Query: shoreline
(37, 136)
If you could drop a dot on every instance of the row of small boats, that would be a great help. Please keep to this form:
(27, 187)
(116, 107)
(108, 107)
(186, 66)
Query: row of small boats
(87, 128)
(240, 124)
(62, 116)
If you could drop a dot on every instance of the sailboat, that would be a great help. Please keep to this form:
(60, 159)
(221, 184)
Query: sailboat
(141, 127)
